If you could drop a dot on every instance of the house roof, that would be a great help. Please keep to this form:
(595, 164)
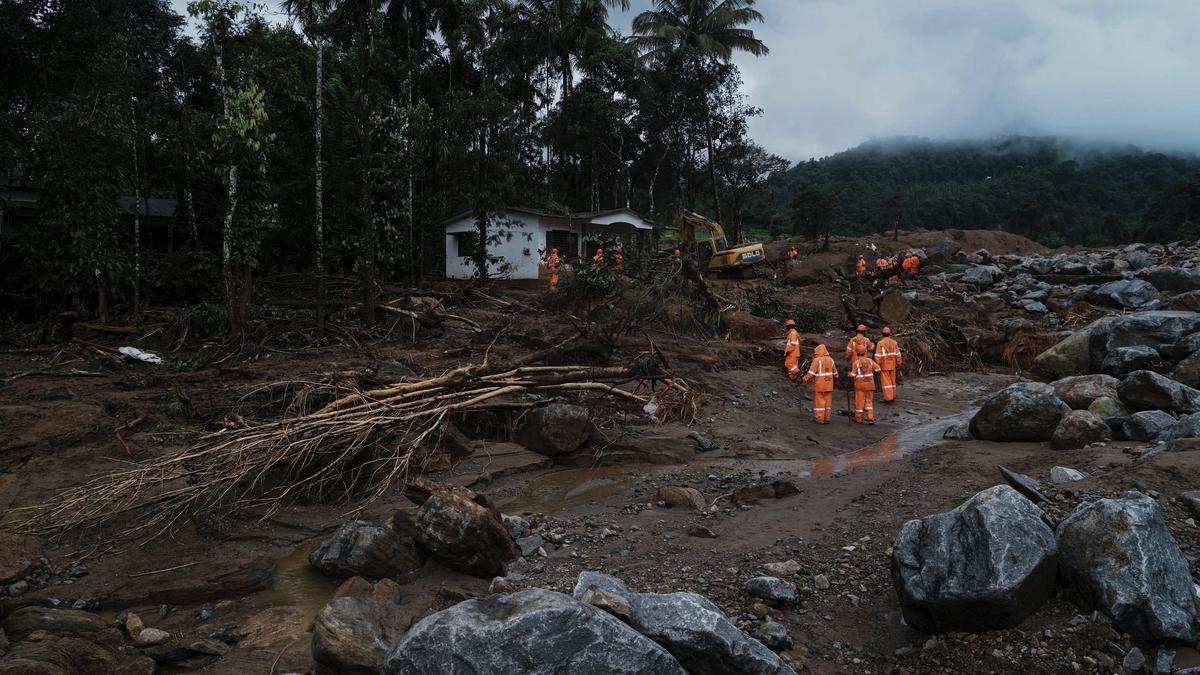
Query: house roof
(579, 215)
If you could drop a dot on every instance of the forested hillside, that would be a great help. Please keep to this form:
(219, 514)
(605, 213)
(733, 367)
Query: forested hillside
(1054, 190)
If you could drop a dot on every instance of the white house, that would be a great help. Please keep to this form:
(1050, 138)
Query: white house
(518, 238)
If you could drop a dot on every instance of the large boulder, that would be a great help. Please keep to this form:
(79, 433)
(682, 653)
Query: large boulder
(1139, 260)
(534, 632)
(1124, 360)
(1125, 294)
(1080, 390)
(360, 548)
(1172, 279)
(1157, 330)
(1147, 390)
(987, 564)
(1185, 427)
(982, 276)
(1077, 429)
(693, 629)
(461, 530)
(1185, 346)
(1186, 302)
(1118, 556)
(1025, 411)
(1068, 357)
(353, 632)
(1108, 406)
(556, 429)
(1188, 371)
(1147, 425)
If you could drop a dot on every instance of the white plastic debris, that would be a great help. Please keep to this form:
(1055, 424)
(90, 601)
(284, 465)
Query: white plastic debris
(135, 353)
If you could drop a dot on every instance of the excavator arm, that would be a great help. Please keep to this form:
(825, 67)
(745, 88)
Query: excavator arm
(690, 221)
(720, 256)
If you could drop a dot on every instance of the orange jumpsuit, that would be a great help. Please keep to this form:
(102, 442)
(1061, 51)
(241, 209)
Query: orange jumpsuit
(552, 263)
(911, 265)
(887, 355)
(620, 260)
(860, 268)
(822, 372)
(792, 253)
(863, 371)
(893, 267)
(599, 257)
(855, 342)
(881, 264)
(791, 354)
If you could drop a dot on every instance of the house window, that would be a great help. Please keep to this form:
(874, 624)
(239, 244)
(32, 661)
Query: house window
(466, 243)
(565, 241)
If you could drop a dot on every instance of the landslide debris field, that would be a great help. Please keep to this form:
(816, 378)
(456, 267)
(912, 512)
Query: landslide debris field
(273, 508)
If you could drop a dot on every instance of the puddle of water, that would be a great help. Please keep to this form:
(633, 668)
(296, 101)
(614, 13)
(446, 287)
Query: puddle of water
(297, 584)
(570, 488)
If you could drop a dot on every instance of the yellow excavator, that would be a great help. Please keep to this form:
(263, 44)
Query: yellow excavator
(721, 257)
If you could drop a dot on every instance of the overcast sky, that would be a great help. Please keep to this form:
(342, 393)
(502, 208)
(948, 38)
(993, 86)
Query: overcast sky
(844, 71)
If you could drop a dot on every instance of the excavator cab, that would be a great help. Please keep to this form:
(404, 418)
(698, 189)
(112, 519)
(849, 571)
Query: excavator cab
(714, 254)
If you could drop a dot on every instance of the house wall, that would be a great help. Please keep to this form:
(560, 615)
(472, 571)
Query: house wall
(518, 237)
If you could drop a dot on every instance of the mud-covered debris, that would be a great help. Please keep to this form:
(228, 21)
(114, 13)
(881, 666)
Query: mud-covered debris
(703, 442)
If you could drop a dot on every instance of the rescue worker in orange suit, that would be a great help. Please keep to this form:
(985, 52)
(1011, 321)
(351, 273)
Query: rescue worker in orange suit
(791, 351)
(678, 254)
(619, 257)
(793, 253)
(552, 263)
(887, 355)
(863, 371)
(599, 257)
(912, 264)
(822, 372)
(894, 268)
(881, 266)
(859, 340)
(860, 267)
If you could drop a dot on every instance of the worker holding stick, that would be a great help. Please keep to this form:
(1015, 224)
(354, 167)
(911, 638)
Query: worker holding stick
(791, 351)
(822, 372)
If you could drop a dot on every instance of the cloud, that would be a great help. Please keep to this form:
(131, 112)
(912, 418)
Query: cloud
(844, 71)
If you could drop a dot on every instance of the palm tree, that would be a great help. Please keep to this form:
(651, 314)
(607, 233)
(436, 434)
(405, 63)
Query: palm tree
(311, 14)
(677, 32)
(566, 27)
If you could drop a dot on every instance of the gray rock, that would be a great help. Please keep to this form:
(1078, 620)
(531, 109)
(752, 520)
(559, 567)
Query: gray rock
(1125, 294)
(352, 633)
(1188, 370)
(960, 431)
(987, 564)
(703, 443)
(678, 495)
(529, 545)
(1080, 390)
(1037, 308)
(463, 534)
(1172, 279)
(1191, 501)
(1147, 390)
(1124, 360)
(1025, 411)
(1118, 556)
(773, 635)
(1026, 485)
(982, 276)
(1108, 406)
(1061, 475)
(771, 589)
(1139, 260)
(1134, 661)
(1185, 346)
(1185, 427)
(1079, 428)
(1185, 302)
(149, 637)
(1068, 357)
(1158, 330)
(1147, 425)
(360, 548)
(1164, 662)
(533, 632)
(515, 525)
(556, 429)
(608, 601)
(693, 629)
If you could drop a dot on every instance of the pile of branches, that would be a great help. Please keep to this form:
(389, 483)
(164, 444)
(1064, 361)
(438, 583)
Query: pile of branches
(360, 444)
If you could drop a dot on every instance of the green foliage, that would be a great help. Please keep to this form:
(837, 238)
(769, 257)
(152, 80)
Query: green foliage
(764, 301)
(811, 319)
(589, 283)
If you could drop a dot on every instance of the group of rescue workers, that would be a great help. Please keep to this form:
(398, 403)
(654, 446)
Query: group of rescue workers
(891, 267)
(553, 262)
(822, 371)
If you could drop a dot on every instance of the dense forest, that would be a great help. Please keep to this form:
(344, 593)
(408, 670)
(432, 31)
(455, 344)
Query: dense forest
(1055, 190)
(330, 144)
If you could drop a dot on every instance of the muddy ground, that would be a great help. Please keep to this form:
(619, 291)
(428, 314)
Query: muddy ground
(63, 413)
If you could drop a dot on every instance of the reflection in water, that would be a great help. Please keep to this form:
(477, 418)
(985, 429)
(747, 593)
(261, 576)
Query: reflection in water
(570, 488)
(297, 584)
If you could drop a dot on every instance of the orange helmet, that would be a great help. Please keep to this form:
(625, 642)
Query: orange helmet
(554, 251)
(861, 328)
(887, 331)
(789, 324)
(861, 350)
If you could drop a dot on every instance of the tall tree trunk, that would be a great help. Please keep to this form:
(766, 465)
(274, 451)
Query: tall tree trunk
(364, 151)
(137, 220)
(227, 271)
(319, 180)
(712, 166)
